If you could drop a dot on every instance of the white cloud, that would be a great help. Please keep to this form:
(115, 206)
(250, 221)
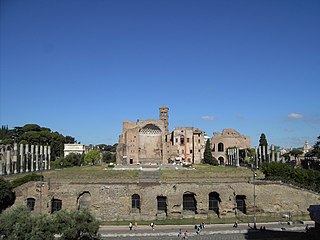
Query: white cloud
(295, 116)
(207, 118)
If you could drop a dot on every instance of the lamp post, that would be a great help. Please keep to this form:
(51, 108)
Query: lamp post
(254, 199)
(40, 185)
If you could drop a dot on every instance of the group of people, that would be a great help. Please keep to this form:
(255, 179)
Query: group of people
(184, 235)
(199, 228)
(135, 226)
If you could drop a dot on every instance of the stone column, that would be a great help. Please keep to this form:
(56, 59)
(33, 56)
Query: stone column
(278, 156)
(2, 170)
(258, 156)
(8, 162)
(41, 157)
(21, 158)
(272, 153)
(15, 158)
(237, 157)
(27, 157)
(45, 148)
(31, 162)
(49, 157)
(37, 158)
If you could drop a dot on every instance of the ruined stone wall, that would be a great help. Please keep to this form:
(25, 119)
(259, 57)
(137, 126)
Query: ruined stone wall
(229, 138)
(112, 201)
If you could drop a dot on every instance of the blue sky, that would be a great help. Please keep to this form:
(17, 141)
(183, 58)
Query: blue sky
(81, 67)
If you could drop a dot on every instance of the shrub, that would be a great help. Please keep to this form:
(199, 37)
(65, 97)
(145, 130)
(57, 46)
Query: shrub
(27, 178)
(309, 179)
(19, 224)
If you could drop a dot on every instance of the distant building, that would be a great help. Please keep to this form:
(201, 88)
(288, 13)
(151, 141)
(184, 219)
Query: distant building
(187, 145)
(229, 146)
(73, 148)
(149, 141)
(306, 147)
(144, 141)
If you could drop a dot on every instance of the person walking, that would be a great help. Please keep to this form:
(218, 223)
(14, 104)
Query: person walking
(152, 225)
(235, 225)
(186, 234)
(130, 226)
(135, 226)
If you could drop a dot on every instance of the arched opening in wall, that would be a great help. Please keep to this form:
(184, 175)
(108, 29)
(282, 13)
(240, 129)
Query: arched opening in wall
(131, 161)
(150, 144)
(162, 204)
(84, 200)
(56, 205)
(221, 160)
(135, 199)
(189, 202)
(214, 200)
(220, 147)
(31, 203)
(182, 140)
(241, 203)
(150, 129)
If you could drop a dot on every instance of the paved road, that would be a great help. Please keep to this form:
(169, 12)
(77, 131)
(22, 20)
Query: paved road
(217, 232)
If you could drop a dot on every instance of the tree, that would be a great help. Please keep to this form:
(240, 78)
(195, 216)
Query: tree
(92, 157)
(7, 196)
(250, 152)
(207, 156)
(75, 224)
(18, 223)
(263, 144)
(296, 153)
(108, 157)
(315, 152)
(34, 134)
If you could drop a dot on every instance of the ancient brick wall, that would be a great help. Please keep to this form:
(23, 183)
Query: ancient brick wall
(113, 201)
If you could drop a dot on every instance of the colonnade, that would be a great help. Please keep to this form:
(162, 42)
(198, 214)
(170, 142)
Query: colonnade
(262, 154)
(24, 158)
(233, 157)
(265, 154)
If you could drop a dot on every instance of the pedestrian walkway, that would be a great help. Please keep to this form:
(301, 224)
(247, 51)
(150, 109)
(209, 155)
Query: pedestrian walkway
(218, 231)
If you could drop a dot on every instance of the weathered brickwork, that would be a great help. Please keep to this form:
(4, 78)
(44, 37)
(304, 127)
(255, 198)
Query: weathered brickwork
(113, 201)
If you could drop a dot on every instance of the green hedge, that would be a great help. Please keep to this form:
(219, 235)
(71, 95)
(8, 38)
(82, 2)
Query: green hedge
(27, 178)
(309, 179)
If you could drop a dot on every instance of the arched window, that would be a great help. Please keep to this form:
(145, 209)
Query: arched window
(189, 202)
(56, 205)
(150, 129)
(30, 203)
(214, 200)
(84, 200)
(220, 147)
(221, 160)
(135, 202)
(182, 140)
(241, 203)
(162, 204)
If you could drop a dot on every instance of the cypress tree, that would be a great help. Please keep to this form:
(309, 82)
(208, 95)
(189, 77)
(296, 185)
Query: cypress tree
(207, 156)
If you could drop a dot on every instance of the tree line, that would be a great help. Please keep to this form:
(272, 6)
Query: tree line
(304, 178)
(36, 135)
